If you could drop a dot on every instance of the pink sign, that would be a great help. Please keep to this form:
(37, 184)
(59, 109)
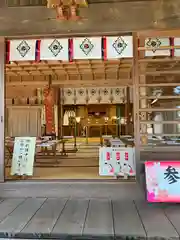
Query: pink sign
(163, 181)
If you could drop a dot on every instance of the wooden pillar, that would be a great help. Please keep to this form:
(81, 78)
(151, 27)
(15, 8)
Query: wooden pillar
(61, 114)
(2, 129)
(143, 104)
(127, 111)
(135, 75)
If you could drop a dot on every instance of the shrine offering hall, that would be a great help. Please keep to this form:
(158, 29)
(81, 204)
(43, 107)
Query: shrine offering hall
(90, 108)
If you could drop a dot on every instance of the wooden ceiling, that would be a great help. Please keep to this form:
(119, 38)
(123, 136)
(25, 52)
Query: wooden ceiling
(92, 72)
(83, 72)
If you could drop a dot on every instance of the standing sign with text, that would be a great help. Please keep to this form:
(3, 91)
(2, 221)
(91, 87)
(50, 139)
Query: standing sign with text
(163, 181)
(23, 156)
(118, 161)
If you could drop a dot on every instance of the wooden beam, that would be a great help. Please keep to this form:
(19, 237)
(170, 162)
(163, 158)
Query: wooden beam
(100, 82)
(99, 19)
(160, 97)
(160, 33)
(160, 60)
(163, 72)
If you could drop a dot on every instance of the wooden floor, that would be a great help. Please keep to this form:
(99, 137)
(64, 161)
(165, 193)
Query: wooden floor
(84, 164)
(99, 216)
(59, 173)
(38, 218)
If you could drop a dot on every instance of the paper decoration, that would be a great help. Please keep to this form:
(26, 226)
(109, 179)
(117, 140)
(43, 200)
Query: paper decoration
(68, 96)
(156, 43)
(105, 94)
(67, 116)
(118, 94)
(54, 49)
(176, 43)
(93, 96)
(87, 48)
(23, 156)
(163, 181)
(22, 50)
(119, 47)
(116, 161)
(81, 95)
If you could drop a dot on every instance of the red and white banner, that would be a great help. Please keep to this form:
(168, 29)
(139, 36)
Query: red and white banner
(65, 49)
(87, 48)
(155, 44)
(22, 50)
(54, 49)
(118, 47)
(49, 110)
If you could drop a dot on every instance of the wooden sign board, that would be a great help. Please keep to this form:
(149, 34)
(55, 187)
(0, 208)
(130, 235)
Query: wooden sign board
(23, 156)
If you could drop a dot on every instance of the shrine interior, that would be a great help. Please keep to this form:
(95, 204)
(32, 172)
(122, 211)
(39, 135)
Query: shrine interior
(93, 99)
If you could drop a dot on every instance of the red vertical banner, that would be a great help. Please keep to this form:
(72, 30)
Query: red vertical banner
(49, 110)
(38, 46)
(104, 50)
(71, 50)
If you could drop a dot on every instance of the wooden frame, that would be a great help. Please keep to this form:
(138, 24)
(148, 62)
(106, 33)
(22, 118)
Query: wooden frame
(164, 73)
(134, 72)
(2, 128)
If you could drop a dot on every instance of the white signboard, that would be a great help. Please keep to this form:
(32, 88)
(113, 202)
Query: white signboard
(106, 163)
(23, 156)
(124, 161)
(116, 161)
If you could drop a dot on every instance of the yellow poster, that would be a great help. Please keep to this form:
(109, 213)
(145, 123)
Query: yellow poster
(23, 156)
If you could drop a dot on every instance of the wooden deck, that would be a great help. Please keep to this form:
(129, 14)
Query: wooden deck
(98, 217)
(38, 218)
